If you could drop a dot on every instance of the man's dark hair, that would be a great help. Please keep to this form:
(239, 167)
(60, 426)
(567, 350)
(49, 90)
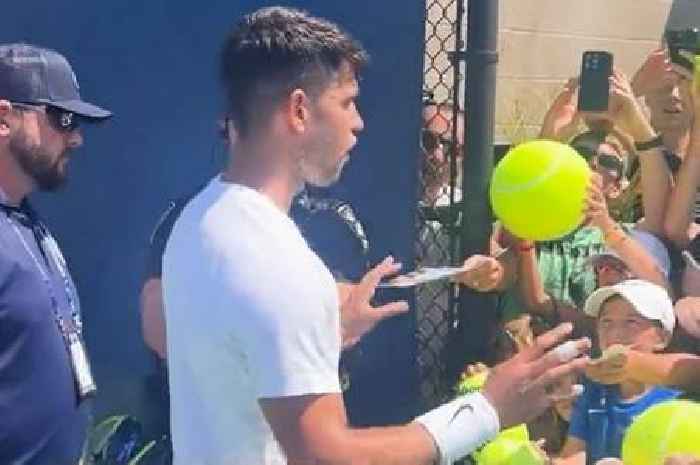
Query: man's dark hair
(275, 50)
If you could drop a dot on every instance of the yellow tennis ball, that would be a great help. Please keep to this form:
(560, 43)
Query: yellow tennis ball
(506, 451)
(538, 190)
(471, 383)
(671, 427)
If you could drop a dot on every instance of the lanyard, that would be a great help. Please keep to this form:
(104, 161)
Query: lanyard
(51, 255)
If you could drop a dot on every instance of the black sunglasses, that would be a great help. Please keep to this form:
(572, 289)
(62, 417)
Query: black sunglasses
(602, 160)
(610, 162)
(60, 119)
(430, 141)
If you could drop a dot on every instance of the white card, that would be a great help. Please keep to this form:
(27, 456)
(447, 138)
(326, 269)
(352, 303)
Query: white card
(422, 276)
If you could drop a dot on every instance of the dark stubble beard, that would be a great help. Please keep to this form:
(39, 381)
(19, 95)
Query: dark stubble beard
(37, 163)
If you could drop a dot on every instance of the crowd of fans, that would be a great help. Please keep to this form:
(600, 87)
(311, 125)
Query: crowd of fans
(627, 277)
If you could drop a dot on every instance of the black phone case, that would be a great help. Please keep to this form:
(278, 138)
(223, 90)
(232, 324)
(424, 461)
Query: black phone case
(596, 69)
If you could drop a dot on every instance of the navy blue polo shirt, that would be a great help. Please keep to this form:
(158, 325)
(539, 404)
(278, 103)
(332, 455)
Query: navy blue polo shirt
(40, 421)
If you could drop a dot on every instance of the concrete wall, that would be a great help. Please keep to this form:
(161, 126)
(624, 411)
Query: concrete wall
(540, 47)
(541, 42)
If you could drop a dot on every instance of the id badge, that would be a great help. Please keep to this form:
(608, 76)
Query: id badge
(81, 367)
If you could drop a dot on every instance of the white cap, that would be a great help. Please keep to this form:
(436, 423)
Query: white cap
(648, 299)
(651, 244)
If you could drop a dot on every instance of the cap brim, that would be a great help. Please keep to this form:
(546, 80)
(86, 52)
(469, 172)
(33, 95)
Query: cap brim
(84, 109)
(605, 254)
(595, 300)
(639, 294)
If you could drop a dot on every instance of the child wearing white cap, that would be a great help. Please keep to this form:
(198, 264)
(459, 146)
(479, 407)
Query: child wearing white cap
(632, 313)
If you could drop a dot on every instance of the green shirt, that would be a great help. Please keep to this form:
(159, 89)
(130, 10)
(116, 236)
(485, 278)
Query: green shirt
(565, 270)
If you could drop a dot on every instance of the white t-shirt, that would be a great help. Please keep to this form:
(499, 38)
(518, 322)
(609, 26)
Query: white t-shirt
(251, 313)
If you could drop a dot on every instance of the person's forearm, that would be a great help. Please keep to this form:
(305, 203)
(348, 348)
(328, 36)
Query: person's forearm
(633, 254)
(152, 317)
(678, 370)
(400, 445)
(395, 445)
(656, 189)
(530, 285)
(442, 435)
(509, 261)
(681, 204)
(655, 175)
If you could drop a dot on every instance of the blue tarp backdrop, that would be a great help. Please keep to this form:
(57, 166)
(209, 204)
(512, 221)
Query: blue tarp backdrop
(154, 64)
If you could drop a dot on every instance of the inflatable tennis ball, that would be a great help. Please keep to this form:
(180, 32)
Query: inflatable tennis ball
(538, 190)
(671, 427)
(505, 451)
(474, 383)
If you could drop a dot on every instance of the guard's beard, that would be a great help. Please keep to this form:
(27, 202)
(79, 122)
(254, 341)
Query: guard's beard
(37, 163)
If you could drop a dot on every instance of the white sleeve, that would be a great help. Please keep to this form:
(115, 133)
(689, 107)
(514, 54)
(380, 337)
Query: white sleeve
(291, 329)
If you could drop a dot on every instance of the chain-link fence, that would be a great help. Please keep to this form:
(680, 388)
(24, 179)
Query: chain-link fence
(442, 145)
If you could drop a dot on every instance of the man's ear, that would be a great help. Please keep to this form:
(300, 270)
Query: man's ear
(5, 109)
(297, 111)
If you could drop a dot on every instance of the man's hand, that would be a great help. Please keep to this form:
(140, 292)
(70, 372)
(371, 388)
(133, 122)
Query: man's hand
(482, 273)
(523, 387)
(611, 367)
(357, 315)
(654, 74)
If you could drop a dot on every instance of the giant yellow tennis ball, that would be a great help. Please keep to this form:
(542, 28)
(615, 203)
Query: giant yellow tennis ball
(671, 427)
(506, 451)
(538, 190)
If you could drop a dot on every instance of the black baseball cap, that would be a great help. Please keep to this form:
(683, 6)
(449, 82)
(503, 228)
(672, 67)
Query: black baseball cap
(35, 75)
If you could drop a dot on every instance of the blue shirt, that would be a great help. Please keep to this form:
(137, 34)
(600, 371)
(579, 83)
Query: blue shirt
(600, 417)
(40, 420)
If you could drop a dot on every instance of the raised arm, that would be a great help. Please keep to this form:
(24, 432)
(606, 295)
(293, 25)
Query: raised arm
(628, 115)
(681, 206)
(632, 253)
(313, 429)
(562, 119)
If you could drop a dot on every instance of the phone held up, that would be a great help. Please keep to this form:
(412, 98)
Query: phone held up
(596, 69)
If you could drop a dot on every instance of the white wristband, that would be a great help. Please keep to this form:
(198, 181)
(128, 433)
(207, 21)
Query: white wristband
(461, 426)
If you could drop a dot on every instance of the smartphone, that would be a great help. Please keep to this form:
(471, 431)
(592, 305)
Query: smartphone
(596, 69)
